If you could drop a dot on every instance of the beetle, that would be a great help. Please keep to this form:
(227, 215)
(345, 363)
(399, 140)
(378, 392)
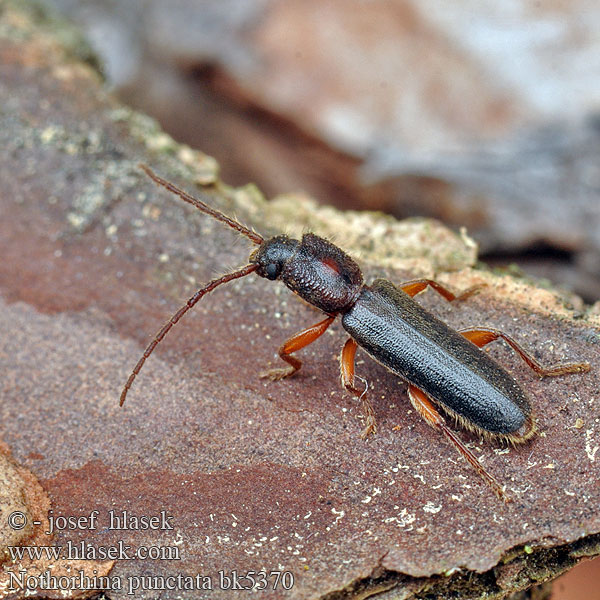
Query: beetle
(442, 367)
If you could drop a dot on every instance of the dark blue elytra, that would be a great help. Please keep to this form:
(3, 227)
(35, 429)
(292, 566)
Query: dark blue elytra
(407, 339)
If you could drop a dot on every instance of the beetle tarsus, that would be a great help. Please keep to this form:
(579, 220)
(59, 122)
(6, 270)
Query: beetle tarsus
(293, 344)
(279, 373)
(370, 427)
(469, 292)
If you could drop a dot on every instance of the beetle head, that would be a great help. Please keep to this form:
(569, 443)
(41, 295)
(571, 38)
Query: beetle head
(272, 255)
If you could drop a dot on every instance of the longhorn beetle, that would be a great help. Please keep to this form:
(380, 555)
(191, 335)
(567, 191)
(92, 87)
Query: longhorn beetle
(439, 364)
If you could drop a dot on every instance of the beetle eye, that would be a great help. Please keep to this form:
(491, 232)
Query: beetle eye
(272, 270)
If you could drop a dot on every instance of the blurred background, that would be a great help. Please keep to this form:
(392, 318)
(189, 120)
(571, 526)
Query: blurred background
(482, 114)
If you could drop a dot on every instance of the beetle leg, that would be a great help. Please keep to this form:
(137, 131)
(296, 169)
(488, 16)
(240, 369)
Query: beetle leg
(426, 409)
(482, 336)
(347, 375)
(295, 343)
(413, 287)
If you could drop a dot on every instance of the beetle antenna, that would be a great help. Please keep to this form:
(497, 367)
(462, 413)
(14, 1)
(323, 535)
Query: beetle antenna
(205, 208)
(209, 287)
